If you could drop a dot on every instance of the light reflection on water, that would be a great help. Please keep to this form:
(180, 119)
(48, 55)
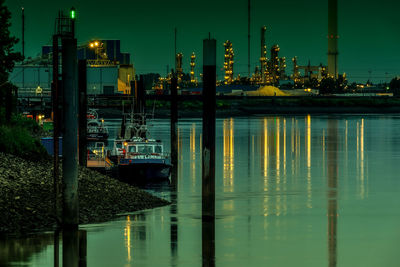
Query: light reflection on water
(291, 191)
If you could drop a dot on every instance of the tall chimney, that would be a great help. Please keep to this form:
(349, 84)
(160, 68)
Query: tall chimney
(333, 38)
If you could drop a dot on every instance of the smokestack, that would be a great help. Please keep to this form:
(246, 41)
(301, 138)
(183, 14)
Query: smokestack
(263, 55)
(248, 36)
(333, 38)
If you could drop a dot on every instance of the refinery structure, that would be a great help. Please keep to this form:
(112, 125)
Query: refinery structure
(110, 71)
(272, 67)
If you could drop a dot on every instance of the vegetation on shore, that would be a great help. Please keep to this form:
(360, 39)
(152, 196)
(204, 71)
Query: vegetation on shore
(20, 137)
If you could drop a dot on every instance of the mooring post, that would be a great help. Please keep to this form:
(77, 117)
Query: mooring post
(174, 129)
(70, 249)
(70, 133)
(82, 248)
(208, 152)
(82, 84)
(56, 128)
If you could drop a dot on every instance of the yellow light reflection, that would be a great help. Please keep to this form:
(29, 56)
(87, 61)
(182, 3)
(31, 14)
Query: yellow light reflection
(229, 154)
(284, 146)
(277, 151)
(265, 154)
(308, 141)
(127, 237)
(362, 188)
(193, 154)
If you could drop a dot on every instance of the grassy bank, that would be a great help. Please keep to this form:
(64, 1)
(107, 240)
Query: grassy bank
(20, 137)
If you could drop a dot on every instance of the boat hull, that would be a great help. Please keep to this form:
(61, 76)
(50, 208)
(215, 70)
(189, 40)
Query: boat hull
(139, 171)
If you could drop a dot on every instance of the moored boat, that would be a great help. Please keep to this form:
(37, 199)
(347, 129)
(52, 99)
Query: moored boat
(139, 159)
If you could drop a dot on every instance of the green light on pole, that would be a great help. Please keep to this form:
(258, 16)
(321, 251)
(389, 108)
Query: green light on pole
(73, 13)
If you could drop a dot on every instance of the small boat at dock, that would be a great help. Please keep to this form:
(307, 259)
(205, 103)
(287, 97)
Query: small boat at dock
(139, 159)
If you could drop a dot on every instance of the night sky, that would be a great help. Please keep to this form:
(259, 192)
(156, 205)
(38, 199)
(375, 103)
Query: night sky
(368, 45)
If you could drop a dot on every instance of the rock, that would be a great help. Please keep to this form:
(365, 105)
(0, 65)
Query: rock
(101, 197)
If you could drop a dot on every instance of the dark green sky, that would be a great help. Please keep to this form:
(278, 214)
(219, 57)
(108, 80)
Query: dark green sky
(369, 30)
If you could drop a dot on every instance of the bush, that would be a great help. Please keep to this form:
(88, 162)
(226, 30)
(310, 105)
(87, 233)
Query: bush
(18, 141)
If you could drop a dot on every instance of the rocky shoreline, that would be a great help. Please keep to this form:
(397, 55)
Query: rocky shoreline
(27, 200)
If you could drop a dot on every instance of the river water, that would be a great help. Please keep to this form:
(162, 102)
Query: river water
(290, 191)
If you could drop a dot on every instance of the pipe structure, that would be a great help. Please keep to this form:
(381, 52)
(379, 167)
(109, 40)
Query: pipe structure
(333, 38)
(192, 66)
(228, 64)
(263, 56)
(70, 215)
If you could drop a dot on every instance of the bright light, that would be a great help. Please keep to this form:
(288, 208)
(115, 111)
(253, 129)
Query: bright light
(91, 45)
(96, 43)
(73, 13)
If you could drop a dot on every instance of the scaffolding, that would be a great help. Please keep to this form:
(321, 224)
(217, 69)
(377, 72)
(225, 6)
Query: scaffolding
(228, 64)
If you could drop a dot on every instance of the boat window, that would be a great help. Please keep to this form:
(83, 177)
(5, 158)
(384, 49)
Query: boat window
(99, 144)
(145, 149)
(132, 149)
(157, 149)
(92, 124)
(118, 145)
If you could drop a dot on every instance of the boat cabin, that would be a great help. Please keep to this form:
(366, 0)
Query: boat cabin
(144, 149)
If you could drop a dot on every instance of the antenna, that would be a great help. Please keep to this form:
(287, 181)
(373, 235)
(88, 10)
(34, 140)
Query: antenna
(248, 31)
(23, 31)
(175, 46)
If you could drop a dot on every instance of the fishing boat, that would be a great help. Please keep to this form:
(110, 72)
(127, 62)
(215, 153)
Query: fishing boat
(96, 130)
(138, 157)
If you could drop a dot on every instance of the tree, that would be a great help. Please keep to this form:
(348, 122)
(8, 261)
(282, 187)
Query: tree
(8, 57)
(328, 86)
(395, 86)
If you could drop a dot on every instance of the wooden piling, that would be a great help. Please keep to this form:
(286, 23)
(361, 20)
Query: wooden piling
(208, 152)
(82, 85)
(174, 129)
(82, 248)
(56, 128)
(70, 248)
(70, 214)
(208, 166)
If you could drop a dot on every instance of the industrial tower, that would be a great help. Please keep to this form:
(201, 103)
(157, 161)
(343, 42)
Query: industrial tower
(263, 56)
(273, 65)
(228, 64)
(192, 66)
(333, 38)
(179, 70)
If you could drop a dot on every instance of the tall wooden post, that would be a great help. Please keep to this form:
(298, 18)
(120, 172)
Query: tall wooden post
(70, 133)
(174, 129)
(70, 250)
(82, 84)
(56, 128)
(208, 152)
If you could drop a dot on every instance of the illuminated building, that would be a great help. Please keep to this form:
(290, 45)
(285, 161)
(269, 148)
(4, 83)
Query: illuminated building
(263, 56)
(273, 65)
(109, 71)
(282, 68)
(228, 64)
(179, 70)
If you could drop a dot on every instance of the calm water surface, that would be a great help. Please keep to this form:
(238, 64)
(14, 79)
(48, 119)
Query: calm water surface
(290, 191)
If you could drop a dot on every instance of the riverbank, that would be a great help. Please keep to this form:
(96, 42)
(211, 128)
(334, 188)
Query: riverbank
(26, 199)
(191, 106)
